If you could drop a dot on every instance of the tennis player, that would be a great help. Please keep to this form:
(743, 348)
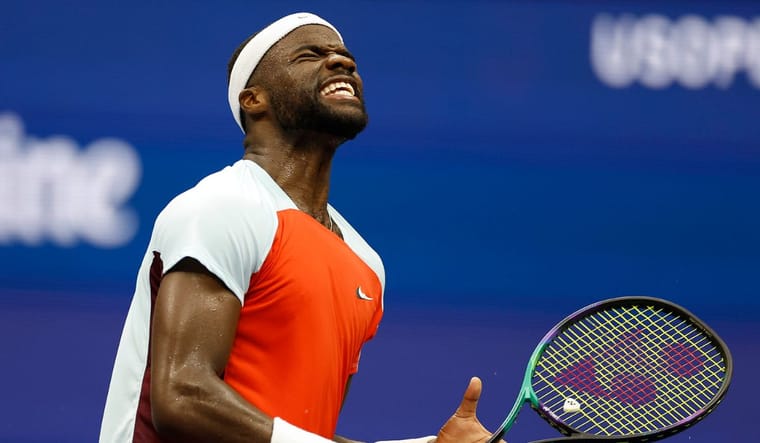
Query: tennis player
(255, 296)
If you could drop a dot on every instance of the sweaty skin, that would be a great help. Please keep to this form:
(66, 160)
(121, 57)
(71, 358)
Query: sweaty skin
(195, 316)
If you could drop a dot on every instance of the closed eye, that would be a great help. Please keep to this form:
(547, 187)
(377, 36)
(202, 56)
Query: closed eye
(308, 55)
(313, 51)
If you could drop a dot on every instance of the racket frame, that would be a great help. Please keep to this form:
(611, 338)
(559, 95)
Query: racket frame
(527, 393)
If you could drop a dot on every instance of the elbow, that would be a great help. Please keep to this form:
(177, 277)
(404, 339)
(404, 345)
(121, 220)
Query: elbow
(173, 406)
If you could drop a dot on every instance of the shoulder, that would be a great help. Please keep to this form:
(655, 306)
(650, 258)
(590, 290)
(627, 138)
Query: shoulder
(227, 222)
(229, 206)
(236, 193)
(225, 190)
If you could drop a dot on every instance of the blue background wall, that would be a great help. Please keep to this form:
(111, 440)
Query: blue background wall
(505, 180)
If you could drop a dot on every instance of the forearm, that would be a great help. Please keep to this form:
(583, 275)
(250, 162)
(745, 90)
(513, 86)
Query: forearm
(212, 411)
(207, 410)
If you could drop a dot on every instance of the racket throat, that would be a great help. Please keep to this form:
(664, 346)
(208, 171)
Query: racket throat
(526, 395)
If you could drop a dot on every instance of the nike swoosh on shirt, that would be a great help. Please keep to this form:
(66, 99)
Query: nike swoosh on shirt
(362, 295)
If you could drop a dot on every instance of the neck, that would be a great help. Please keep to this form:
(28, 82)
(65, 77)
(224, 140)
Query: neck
(300, 165)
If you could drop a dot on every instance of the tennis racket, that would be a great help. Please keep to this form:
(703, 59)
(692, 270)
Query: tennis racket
(627, 369)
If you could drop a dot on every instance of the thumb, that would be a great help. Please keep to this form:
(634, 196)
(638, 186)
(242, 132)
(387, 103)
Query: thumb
(469, 403)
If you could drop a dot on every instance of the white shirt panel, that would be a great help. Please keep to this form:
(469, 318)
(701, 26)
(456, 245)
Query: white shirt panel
(227, 222)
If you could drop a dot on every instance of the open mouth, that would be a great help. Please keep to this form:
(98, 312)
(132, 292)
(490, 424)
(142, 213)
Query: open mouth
(338, 89)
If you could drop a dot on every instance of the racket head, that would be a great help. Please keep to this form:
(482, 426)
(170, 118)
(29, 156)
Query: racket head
(634, 367)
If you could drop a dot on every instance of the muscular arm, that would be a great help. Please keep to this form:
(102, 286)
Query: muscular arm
(194, 322)
(194, 325)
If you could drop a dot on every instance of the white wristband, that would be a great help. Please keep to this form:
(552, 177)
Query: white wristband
(411, 440)
(284, 432)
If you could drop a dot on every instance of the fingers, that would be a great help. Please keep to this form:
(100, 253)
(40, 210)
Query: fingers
(470, 399)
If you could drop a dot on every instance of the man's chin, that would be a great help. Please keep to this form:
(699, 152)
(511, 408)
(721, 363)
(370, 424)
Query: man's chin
(346, 124)
(345, 109)
(346, 131)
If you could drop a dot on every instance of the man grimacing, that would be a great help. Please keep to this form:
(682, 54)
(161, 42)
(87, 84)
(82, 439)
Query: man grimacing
(255, 296)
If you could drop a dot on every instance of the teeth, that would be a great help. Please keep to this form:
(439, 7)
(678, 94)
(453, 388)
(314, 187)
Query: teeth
(338, 88)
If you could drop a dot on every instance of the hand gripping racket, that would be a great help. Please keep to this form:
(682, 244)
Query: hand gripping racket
(629, 369)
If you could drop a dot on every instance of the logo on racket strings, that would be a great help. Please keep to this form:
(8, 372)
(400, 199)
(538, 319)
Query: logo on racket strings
(629, 370)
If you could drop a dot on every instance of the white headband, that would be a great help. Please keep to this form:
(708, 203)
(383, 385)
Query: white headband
(255, 49)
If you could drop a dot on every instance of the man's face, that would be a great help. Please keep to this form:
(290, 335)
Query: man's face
(314, 84)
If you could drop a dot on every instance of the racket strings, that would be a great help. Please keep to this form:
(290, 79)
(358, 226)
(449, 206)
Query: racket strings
(634, 398)
(602, 394)
(604, 378)
(619, 350)
(632, 369)
(641, 389)
(671, 328)
(594, 382)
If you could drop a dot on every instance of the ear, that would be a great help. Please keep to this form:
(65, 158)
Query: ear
(253, 101)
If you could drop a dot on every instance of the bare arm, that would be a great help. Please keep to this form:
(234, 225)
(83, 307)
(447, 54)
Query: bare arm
(194, 326)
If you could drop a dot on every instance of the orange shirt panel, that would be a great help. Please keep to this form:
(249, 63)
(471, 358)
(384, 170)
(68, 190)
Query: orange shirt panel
(303, 324)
